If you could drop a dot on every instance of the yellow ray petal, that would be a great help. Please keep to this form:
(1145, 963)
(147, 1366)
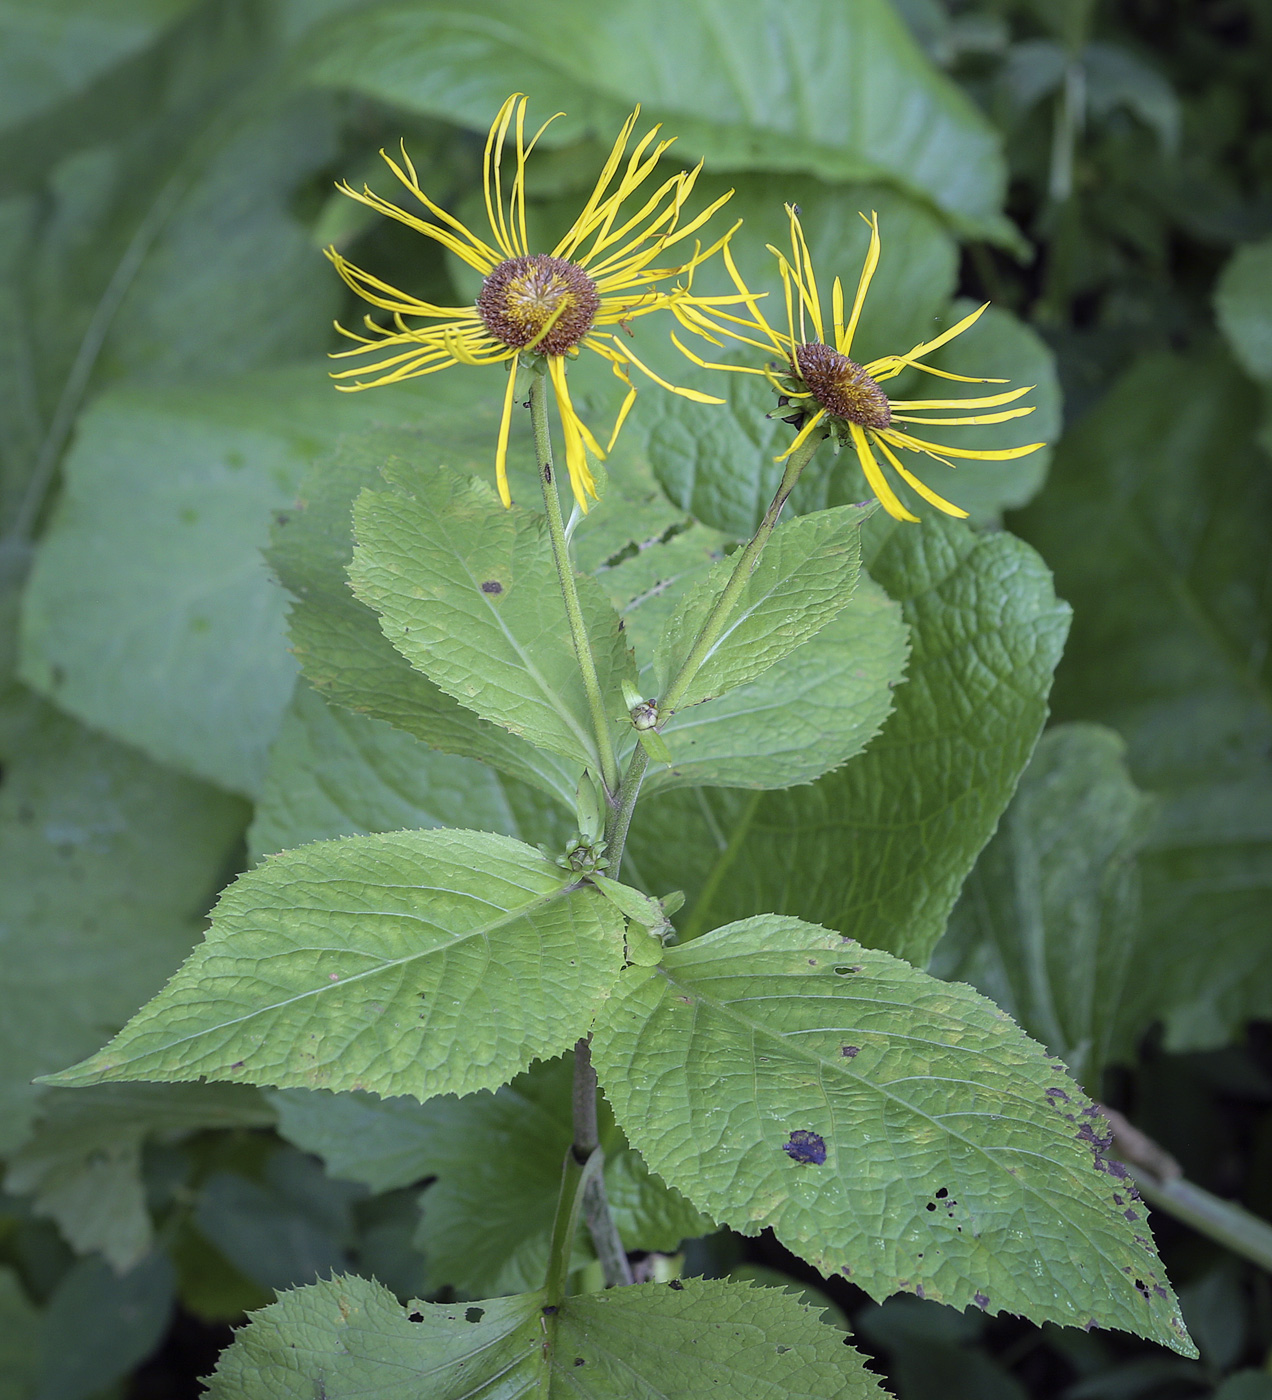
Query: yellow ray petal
(807, 277)
(631, 358)
(1005, 416)
(491, 162)
(913, 481)
(986, 401)
(1000, 454)
(927, 346)
(581, 480)
(501, 445)
(874, 475)
(802, 434)
(863, 284)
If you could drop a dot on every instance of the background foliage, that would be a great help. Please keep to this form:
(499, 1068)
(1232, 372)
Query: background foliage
(1102, 172)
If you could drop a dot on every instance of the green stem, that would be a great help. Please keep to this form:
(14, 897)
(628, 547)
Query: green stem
(620, 820)
(575, 1173)
(747, 560)
(1223, 1221)
(565, 572)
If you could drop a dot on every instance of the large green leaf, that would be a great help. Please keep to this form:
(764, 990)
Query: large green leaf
(487, 1218)
(336, 773)
(1243, 304)
(149, 612)
(1156, 522)
(19, 1322)
(424, 962)
(107, 865)
(1048, 921)
(468, 592)
(338, 639)
(804, 577)
(885, 1125)
(51, 48)
(737, 86)
(880, 849)
(83, 1165)
(699, 1338)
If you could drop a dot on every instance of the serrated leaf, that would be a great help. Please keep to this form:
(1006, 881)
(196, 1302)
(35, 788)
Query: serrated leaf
(423, 962)
(333, 772)
(805, 576)
(1156, 523)
(880, 849)
(704, 1337)
(338, 640)
(736, 88)
(107, 866)
(1048, 922)
(468, 592)
(1243, 305)
(487, 1218)
(884, 1124)
(83, 1164)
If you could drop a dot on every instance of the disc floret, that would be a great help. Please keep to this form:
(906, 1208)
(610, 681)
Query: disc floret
(540, 302)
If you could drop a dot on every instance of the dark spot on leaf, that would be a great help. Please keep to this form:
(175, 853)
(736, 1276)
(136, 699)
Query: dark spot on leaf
(578, 1361)
(676, 1284)
(549, 1309)
(920, 1291)
(844, 971)
(805, 1147)
(931, 1205)
(981, 1300)
(812, 962)
(850, 1052)
(942, 1193)
(1159, 1290)
(238, 1064)
(1142, 1287)
(1117, 1200)
(492, 585)
(1057, 1094)
(781, 1351)
(1131, 1214)
(846, 1270)
(474, 1314)
(1089, 1326)
(410, 1317)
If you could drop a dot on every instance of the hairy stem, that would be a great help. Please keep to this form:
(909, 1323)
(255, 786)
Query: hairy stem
(746, 562)
(586, 1147)
(565, 572)
(620, 819)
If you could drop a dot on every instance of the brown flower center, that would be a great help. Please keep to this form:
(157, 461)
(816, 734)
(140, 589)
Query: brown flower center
(523, 295)
(841, 386)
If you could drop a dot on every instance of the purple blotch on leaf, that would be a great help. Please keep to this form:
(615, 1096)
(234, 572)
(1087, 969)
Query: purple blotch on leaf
(492, 585)
(850, 1052)
(981, 1300)
(805, 1147)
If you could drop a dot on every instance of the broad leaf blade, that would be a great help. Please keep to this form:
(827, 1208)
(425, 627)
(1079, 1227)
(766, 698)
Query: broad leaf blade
(338, 640)
(880, 849)
(468, 592)
(806, 574)
(1048, 922)
(422, 963)
(705, 1337)
(884, 1124)
(1243, 304)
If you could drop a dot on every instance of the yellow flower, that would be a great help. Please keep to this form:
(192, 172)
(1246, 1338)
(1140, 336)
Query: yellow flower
(829, 387)
(537, 304)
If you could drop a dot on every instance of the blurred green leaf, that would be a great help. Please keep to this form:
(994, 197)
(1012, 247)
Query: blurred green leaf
(737, 86)
(1156, 523)
(1049, 919)
(83, 1164)
(1243, 304)
(467, 591)
(107, 866)
(19, 1323)
(885, 1125)
(379, 962)
(98, 1326)
(49, 49)
(336, 773)
(706, 1337)
(880, 848)
(338, 640)
(290, 1228)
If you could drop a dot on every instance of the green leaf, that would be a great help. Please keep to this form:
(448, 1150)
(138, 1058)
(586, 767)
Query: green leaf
(1000, 346)
(336, 773)
(1243, 304)
(52, 48)
(149, 613)
(98, 1327)
(338, 640)
(737, 88)
(1050, 915)
(804, 577)
(19, 1323)
(884, 1124)
(1156, 523)
(487, 1218)
(107, 866)
(422, 962)
(83, 1165)
(703, 1337)
(468, 592)
(880, 849)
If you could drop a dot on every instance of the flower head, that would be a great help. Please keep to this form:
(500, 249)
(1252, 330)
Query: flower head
(834, 393)
(600, 275)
